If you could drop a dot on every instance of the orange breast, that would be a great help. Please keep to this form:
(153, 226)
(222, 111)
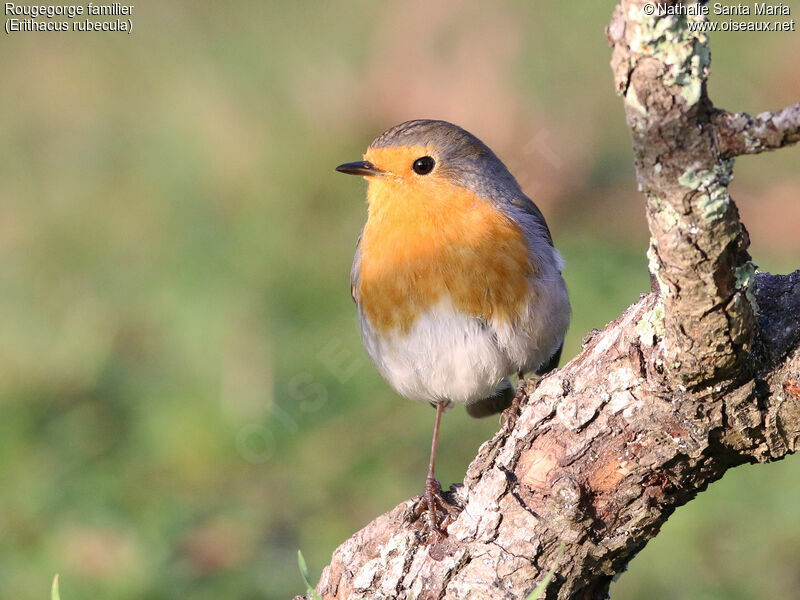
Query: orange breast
(418, 248)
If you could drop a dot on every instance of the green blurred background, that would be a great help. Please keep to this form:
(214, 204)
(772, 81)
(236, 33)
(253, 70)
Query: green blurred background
(185, 400)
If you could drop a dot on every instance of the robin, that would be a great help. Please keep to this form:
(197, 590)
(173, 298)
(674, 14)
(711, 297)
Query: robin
(456, 280)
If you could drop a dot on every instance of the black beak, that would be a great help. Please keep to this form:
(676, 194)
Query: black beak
(361, 167)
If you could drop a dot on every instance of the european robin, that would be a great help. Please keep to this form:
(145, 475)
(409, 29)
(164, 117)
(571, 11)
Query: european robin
(456, 280)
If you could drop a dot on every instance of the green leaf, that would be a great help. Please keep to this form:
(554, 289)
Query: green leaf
(54, 594)
(539, 590)
(301, 562)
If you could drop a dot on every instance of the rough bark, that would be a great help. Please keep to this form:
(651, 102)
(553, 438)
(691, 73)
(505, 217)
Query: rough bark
(698, 376)
(739, 133)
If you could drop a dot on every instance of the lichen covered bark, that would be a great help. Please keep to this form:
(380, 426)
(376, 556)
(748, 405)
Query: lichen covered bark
(697, 241)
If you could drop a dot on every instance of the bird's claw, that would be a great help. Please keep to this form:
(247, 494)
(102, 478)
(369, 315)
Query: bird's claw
(440, 513)
(509, 415)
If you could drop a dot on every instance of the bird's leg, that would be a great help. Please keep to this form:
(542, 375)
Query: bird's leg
(432, 500)
(512, 412)
(433, 490)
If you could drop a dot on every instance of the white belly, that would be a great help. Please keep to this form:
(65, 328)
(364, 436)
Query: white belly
(449, 356)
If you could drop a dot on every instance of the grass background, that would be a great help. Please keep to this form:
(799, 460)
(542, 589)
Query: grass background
(185, 401)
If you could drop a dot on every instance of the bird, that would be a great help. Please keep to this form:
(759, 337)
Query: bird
(456, 280)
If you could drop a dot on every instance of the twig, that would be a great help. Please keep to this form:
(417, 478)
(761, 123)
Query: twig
(739, 133)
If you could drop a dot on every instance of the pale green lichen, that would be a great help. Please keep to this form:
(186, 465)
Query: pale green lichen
(651, 326)
(664, 211)
(714, 201)
(746, 282)
(713, 205)
(694, 178)
(700, 61)
(691, 91)
(685, 53)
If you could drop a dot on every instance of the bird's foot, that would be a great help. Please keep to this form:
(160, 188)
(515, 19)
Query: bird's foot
(439, 511)
(512, 412)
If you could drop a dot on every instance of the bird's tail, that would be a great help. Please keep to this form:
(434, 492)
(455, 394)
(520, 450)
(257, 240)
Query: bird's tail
(491, 405)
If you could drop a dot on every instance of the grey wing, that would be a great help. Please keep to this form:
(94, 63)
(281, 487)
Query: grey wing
(491, 405)
(535, 219)
(355, 270)
(552, 362)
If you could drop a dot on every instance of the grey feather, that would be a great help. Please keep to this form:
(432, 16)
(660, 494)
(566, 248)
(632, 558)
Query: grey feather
(491, 405)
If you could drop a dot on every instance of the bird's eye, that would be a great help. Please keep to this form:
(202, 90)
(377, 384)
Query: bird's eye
(423, 165)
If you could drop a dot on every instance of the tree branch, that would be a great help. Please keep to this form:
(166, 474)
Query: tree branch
(739, 133)
(698, 247)
(698, 376)
(607, 450)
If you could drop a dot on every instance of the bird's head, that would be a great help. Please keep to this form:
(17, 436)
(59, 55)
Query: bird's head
(428, 161)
